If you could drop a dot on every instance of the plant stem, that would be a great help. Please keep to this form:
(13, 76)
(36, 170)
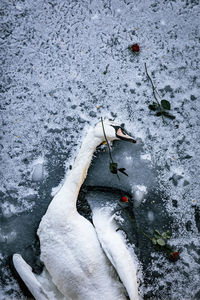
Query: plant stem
(108, 145)
(106, 140)
(154, 91)
(153, 87)
(106, 71)
(138, 227)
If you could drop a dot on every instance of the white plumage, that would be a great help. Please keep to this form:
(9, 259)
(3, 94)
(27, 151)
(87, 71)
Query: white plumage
(78, 257)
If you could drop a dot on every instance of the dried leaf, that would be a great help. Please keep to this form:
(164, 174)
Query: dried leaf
(122, 170)
(159, 113)
(166, 114)
(113, 168)
(153, 106)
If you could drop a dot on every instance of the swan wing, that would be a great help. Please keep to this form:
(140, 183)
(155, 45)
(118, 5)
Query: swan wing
(30, 279)
(114, 246)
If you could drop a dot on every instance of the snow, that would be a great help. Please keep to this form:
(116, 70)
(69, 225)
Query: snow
(53, 87)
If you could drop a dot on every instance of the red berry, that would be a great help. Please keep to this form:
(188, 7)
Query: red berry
(135, 48)
(174, 256)
(124, 199)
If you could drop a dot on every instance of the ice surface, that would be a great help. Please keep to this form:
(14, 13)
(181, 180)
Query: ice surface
(53, 58)
(38, 170)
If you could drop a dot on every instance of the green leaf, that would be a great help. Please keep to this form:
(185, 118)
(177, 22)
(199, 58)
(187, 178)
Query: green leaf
(161, 242)
(154, 241)
(169, 234)
(166, 104)
(113, 168)
(157, 236)
(122, 170)
(164, 235)
(157, 232)
(153, 106)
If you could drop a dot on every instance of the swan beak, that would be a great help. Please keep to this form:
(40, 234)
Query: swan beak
(122, 135)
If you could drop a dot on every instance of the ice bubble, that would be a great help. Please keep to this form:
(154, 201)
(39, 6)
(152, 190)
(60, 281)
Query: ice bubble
(150, 216)
(11, 237)
(162, 22)
(19, 7)
(139, 193)
(8, 209)
(7, 238)
(37, 174)
(95, 17)
(38, 169)
(146, 156)
(2, 237)
(129, 158)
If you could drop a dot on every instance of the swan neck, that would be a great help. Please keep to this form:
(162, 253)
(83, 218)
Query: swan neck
(65, 200)
(67, 196)
(83, 159)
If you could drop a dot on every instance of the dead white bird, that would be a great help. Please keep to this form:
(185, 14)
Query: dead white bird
(78, 257)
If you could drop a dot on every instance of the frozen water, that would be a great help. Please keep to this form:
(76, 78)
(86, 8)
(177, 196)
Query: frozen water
(38, 170)
(53, 58)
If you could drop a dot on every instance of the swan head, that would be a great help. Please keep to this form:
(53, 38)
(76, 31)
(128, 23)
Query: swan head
(113, 132)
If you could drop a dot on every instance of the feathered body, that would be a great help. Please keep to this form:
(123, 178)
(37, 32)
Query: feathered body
(78, 257)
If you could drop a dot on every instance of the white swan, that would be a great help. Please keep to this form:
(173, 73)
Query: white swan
(78, 256)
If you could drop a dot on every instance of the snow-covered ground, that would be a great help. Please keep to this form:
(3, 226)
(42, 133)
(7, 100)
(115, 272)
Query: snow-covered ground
(53, 58)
